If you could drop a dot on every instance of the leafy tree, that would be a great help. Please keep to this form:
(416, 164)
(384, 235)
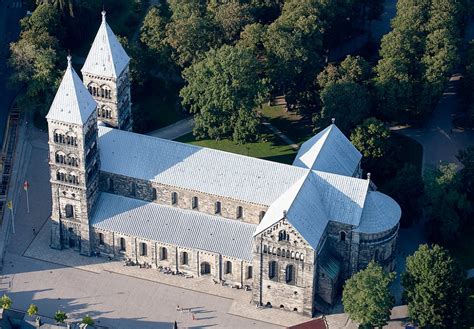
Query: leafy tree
(223, 90)
(5, 302)
(466, 157)
(371, 138)
(447, 206)
(153, 30)
(407, 189)
(60, 316)
(433, 285)
(34, 59)
(190, 38)
(65, 7)
(366, 296)
(293, 44)
(87, 320)
(232, 16)
(351, 69)
(252, 38)
(348, 102)
(32, 310)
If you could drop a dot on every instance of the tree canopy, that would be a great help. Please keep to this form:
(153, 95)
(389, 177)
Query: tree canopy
(366, 296)
(433, 285)
(223, 90)
(371, 138)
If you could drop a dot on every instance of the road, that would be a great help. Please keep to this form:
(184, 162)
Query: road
(10, 13)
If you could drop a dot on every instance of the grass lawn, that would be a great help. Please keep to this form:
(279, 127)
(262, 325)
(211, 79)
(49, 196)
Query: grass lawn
(158, 105)
(291, 124)
(269, 147)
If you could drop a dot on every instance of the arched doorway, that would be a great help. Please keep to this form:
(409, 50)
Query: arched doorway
(205, 268)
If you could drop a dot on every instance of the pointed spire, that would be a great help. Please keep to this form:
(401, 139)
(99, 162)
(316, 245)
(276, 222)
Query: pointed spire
(73, 103)
(106, 58)
(333, 120)
(69, 60)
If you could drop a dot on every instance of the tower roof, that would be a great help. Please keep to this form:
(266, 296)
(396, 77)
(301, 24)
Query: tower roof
(72, 103)
(329, 151)
(106, 57)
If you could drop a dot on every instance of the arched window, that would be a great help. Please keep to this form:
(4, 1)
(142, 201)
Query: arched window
(122, 244)
(69, 211)
(205, 268)
(217, 207)
(163, 253)
(194, 202)
(282, 236)
(240, 212)
(228, 267)
(184, 258)
(261, 215)
(143, 247)
(101, 239)
(343, 236)
(249, 272)
(287, 254)
(289, 274)
(153, 194)
(174, 198)
(265, 249)
(133, 188)
(273, 270)
(292, 255)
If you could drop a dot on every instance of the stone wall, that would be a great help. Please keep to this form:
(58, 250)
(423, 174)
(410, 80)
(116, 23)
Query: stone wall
(278, 289)
(111, 246)
(162, 194)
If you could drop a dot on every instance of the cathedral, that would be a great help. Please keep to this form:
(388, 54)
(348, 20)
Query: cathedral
(290, 234)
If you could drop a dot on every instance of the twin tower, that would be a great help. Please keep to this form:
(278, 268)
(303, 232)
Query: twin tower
(104, 95)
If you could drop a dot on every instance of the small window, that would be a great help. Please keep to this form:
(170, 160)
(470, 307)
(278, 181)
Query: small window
(228, 267)
(153, 194)
(217, 207)
(174, 198)
(194, 202)
(289, 274)
(272, 270)
(261, 215)
(343, 236)
(143, 249)
(101, 239)
(133, 188)
(163, 253)
(69, 211)
(184, 258)
(265, 249)
(122, 244)
(249, 272)
(240, 212)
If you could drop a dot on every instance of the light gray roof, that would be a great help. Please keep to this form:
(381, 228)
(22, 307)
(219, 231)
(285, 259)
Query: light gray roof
(72, 103)
(180, 227)
(314, 200)
(329, 151)
(195, 168)
(342, 196)
(381, 213)
(106, 58)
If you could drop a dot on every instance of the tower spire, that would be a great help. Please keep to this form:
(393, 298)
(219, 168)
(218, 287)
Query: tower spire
(69, 60)
(103, 14)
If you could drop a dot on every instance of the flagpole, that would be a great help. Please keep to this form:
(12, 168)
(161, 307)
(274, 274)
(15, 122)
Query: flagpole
(13, 220)
(27, 201)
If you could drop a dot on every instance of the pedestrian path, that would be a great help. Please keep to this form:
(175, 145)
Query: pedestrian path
(278, 132)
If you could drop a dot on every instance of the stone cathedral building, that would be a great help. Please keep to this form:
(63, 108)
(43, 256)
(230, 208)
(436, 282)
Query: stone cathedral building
(290, 233)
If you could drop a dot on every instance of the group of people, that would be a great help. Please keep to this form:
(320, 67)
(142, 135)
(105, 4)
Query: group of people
(179, 309)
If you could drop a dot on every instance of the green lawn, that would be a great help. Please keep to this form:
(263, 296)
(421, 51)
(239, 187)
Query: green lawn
(296, 127)
(157, 105)
(269, 147)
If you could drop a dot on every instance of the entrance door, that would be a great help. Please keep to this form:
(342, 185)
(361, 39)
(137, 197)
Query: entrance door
(205, 268)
